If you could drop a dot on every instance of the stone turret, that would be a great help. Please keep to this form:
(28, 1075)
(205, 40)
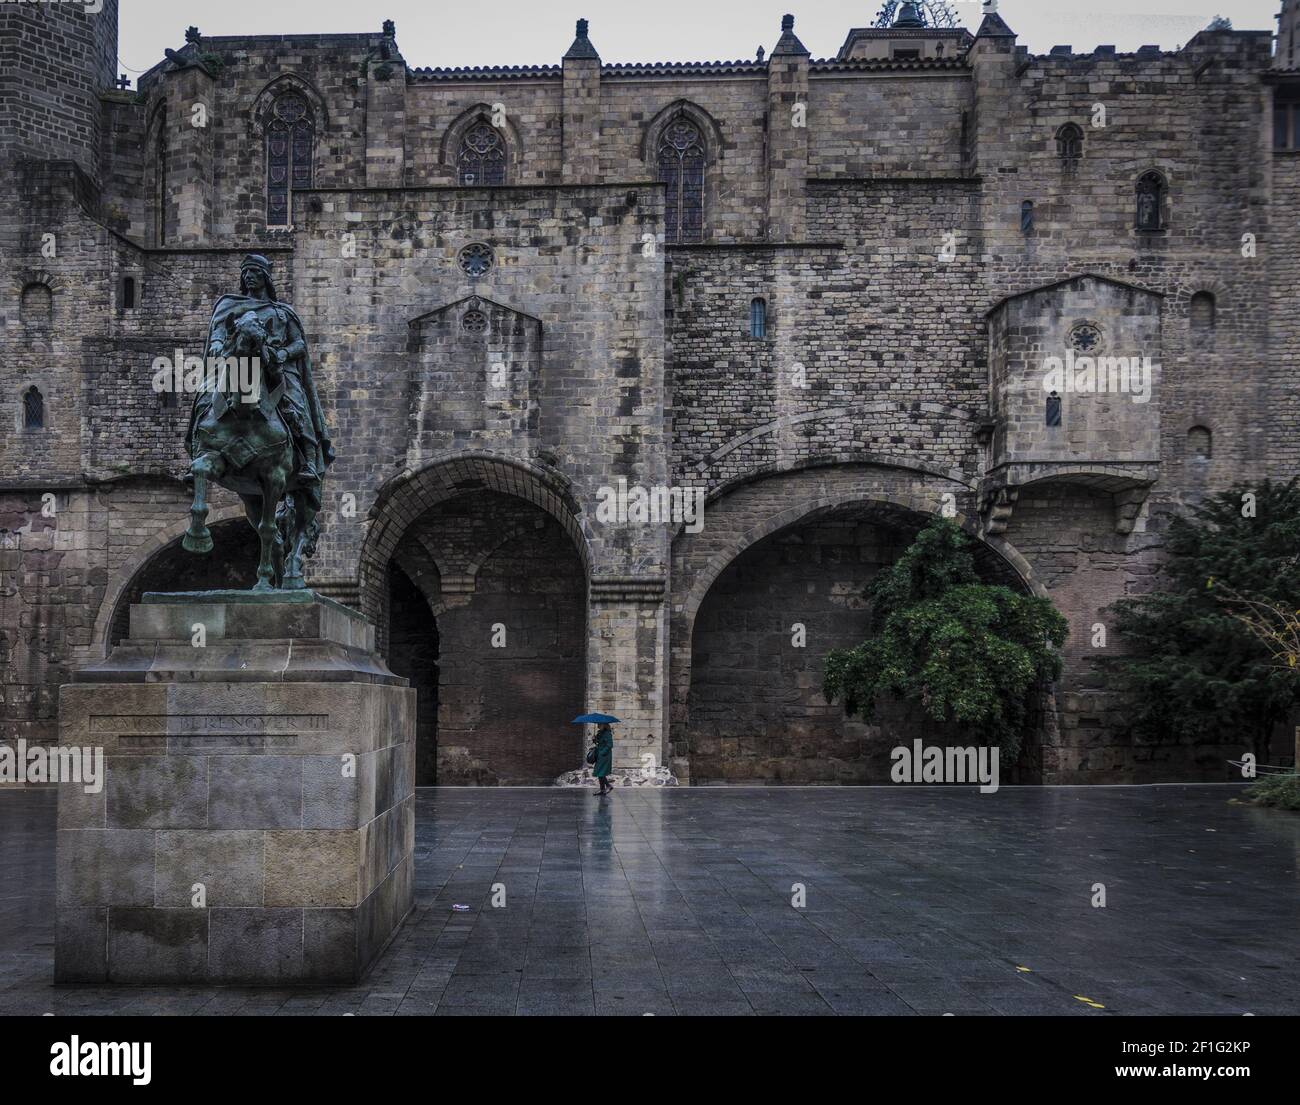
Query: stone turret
(58, 58)
(581, 66)
(787, 137)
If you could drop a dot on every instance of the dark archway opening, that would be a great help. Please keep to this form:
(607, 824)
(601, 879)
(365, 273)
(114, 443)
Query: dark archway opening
(756, 711)
(413, 653)
(503, 670)
(231, 565)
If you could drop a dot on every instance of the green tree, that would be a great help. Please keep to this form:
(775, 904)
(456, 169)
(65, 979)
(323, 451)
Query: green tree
(964, 651)
(1193, 669)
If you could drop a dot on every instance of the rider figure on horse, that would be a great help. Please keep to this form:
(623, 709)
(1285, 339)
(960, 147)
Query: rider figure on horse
(299, 405)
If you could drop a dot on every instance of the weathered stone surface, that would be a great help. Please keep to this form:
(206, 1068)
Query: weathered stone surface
(233, 811)
(878, 237)
(229, 865)
(313, 867)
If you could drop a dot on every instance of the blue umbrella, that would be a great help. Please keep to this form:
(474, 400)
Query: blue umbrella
(594, 719)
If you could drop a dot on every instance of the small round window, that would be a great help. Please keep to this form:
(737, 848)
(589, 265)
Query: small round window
(474, 322)
(1086, 338)
(476, 259)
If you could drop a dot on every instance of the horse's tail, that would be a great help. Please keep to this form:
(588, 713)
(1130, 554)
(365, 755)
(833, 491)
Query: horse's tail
(286, 517)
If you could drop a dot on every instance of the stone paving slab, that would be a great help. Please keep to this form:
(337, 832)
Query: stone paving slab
(678, 902)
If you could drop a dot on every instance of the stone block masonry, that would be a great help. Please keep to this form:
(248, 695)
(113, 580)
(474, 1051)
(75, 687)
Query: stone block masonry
(834, 301)
(256, 821)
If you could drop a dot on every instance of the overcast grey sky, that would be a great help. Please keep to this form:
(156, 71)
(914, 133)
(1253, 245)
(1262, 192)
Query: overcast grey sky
(530, 32)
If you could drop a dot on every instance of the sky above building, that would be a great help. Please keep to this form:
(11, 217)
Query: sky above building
(531, 32)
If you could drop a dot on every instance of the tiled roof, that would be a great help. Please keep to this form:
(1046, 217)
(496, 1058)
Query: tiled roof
(833, 65)
(487, 72)
(661, 68)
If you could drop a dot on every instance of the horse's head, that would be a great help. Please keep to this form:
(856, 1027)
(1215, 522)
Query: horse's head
(250, 336)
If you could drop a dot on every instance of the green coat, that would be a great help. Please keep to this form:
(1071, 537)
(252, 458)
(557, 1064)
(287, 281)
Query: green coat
(604, 753)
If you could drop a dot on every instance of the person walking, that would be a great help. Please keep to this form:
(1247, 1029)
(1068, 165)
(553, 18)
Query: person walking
(604, 757)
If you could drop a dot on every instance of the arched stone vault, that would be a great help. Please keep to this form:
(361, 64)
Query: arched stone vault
(409, 495)
(742, 514)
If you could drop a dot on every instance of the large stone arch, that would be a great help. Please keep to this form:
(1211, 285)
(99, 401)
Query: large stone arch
(495, 547)
(741, 514)
(410, 494)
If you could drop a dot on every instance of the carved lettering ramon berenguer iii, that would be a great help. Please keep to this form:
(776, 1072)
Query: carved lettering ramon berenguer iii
(268, 445)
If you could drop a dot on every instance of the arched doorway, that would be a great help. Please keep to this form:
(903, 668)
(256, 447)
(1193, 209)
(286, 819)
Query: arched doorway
(497, 552)
(777, 579)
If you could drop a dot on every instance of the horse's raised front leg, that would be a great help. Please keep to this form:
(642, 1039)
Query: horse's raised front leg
(272, 489)
(205, 467)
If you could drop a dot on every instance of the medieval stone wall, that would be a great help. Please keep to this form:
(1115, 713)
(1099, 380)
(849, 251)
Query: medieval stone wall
(878, 236)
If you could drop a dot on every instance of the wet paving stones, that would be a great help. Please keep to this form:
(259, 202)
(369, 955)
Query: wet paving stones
(679, 902)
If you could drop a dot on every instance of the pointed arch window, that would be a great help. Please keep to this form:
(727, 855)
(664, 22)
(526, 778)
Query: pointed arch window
(482, 156)
(1053, 410)
(1151, 198)
(1069, 142)
(290, 138)
(33, 409)
(160, 181)
(681, 160)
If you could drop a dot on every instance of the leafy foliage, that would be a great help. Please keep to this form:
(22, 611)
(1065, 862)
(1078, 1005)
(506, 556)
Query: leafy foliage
(1194, 670)
(1279, 791)
(965, 651)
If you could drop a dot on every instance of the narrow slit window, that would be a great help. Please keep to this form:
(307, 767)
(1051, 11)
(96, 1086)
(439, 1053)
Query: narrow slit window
(33, 410)
(758, 318)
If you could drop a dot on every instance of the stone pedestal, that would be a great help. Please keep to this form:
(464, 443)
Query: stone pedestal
(256, 822)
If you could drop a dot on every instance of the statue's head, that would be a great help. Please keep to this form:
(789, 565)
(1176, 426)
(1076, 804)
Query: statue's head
(255, 276)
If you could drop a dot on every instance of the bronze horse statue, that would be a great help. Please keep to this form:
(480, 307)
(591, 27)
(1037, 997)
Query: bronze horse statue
(242, 443)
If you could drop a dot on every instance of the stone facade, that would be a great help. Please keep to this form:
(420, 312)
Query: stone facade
(851, 337)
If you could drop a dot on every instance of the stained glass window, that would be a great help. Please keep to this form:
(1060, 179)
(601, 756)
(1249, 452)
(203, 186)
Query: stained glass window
(33, 410)
(482, 158)
(681, 168)
(289, 139)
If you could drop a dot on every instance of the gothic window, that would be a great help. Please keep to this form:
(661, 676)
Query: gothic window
(681, 161)
(1053, 409)
(160, 182)
(33, 410)
(1027, 218)
(290, 136)
(482, 157)
(1069, 143)
(1151, 190)
(476, 259)
(1086, 338)
(36, 308)
(758, 318)
(1200, 443)
(1286, 125)
(128, 293)
(1201, 314)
